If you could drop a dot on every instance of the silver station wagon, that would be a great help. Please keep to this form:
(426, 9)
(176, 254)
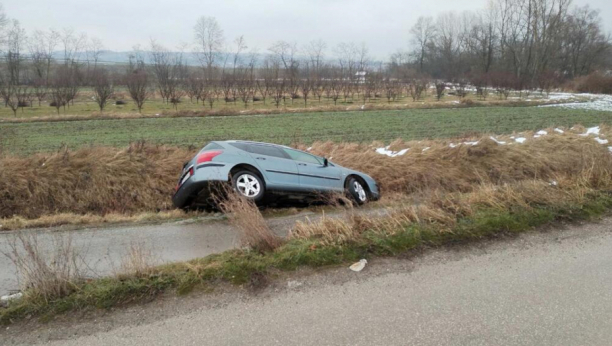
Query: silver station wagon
(266, 172)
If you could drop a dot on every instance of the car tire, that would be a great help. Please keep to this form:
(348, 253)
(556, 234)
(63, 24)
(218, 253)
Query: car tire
(249, 185)
(357, 191)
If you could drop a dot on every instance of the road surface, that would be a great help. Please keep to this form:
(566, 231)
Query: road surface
(102, 249)
(542, 288)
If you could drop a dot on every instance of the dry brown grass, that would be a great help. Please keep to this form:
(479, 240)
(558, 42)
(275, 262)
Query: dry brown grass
(444, 209)
(139, 261)
(46, 272)
(99, 181)
(244, 215)
(72, 219)
(447, 169)
(96, 180)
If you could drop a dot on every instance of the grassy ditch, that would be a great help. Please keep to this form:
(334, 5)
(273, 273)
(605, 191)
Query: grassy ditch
(141, 178)
(486, 212)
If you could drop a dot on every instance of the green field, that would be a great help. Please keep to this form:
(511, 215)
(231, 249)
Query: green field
(24, 138)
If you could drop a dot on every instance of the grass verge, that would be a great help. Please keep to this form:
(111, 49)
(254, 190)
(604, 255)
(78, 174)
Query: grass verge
(376, 238)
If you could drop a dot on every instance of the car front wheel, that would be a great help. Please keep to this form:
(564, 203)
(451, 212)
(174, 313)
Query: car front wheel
(249, 185)
(357, 191)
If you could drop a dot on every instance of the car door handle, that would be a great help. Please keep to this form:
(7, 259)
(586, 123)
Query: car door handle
(261, 158)
(302, 164)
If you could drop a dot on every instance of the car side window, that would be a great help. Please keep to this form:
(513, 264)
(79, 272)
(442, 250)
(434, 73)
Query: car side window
(303, 157)
(241, 146)
(267, 150)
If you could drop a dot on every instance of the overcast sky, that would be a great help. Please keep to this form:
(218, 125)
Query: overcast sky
(382, 24)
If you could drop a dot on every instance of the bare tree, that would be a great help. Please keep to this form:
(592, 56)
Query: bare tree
(240, 47)
(440, 87)
(8, 92)
(423, 32)
(15, 41)
(316, 54)
(40, 89)
(41, 47)
(138, 86)
(72, 44)
(95, 50)
(162, 68)
(103, 87)
(209, 40)
(195, 86)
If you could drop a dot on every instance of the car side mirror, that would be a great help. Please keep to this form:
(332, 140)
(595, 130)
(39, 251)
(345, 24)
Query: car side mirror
(325, 162)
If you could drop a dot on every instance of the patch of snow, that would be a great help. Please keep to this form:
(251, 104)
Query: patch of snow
(591, 131)
(553, 183)
(557, 130)
(390, 153)
(520, 140)
(470, 143)
(541, 133)
(601, 141)
(362, 107)
(309, 149)
(425, 149)
(610, 149)
(452, 145)
(592, 101)
(497, 141)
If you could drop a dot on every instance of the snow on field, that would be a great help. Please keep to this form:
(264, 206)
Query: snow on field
(520, 140)
(601, 141)
(582, 101)
(390, 153)
(591, 131)
(497, 141)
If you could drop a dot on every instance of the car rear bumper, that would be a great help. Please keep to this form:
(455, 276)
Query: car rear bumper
(204, 177)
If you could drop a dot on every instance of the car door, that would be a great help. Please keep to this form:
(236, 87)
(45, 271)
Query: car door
(314, 175)
(279, 170)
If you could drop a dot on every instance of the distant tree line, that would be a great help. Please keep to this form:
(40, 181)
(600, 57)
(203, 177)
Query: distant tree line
(510, 45)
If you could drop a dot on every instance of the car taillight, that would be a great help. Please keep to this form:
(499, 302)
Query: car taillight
(184, 178)
(206, 156)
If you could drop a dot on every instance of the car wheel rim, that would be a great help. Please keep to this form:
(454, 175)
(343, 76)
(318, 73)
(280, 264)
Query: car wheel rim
(361, 194)
(248, 185)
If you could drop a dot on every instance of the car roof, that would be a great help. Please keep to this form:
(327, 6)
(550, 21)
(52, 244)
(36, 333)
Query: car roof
(258, 143)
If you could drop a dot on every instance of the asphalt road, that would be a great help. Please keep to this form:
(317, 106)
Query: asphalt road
(543, 288)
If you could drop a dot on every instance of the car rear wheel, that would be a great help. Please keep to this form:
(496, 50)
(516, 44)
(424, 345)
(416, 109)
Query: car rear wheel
(357, 191)
(249, 185)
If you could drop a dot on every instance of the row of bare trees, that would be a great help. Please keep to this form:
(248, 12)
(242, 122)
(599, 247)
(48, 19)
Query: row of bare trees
(511, 45)
(522, 38)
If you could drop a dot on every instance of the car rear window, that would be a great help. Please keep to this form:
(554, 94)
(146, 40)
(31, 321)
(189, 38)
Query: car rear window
(212, 146)
(267, 150)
